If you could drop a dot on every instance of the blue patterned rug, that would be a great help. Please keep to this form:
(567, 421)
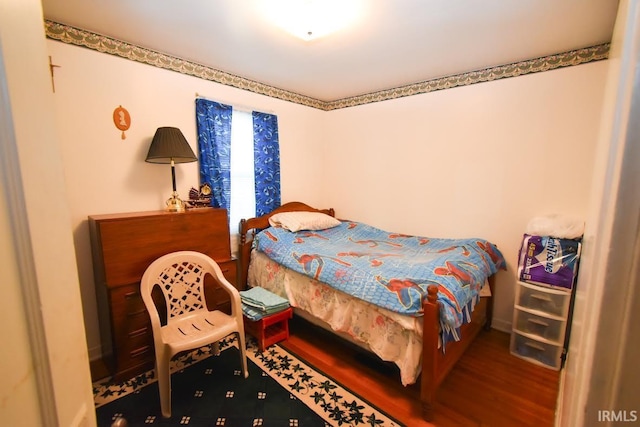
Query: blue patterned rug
(209, 390)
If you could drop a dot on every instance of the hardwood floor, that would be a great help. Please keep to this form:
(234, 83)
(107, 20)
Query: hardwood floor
(488, 386)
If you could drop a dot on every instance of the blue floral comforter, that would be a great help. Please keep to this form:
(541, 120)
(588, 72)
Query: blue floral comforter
(390, 270)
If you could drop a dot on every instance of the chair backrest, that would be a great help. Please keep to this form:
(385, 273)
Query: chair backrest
(180, 276)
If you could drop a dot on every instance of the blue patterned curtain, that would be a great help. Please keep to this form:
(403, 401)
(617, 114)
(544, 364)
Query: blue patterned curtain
(214, 142)
(266, 162)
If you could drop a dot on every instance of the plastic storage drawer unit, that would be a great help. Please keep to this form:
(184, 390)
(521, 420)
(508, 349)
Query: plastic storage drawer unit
(545, 300)
(539, 352)
(547, 327)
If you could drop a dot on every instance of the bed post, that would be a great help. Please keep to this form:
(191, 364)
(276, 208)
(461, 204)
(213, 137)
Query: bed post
(430, 337)
(244, 252)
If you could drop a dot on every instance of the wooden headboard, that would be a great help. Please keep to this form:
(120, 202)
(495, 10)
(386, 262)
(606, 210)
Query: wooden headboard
(253, 225)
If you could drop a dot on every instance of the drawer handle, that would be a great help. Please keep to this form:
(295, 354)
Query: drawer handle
(130, 295)
(541, 297)
(137, 312)
(534, 346)
(138, 332)
(538, 322)
(139, 351)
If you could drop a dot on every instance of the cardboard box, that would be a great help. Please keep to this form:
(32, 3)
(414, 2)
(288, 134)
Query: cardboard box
(549, 261)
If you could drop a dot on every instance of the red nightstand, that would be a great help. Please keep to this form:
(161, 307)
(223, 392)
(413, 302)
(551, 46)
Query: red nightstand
(270, 329)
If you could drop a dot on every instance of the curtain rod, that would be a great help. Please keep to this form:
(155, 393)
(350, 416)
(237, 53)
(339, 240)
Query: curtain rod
(237, 107)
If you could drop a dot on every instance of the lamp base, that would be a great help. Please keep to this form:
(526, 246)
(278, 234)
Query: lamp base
(175, 204)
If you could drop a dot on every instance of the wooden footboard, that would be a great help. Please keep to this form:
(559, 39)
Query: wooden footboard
(435, 364)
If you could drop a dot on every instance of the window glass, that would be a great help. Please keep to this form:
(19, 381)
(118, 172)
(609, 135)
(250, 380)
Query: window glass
(243, 204)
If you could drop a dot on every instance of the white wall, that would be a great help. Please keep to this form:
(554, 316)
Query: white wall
(19, 391)
(106, 174)
(474, 161)
(479, 161)
(43, 362)
(602, 372)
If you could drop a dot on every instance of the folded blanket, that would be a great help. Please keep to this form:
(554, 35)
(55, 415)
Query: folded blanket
(258, 302)
(255, 314)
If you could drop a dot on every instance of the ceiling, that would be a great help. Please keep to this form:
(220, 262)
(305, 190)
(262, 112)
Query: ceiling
(394, 42)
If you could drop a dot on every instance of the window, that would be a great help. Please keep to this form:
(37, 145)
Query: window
(239, 158)
(243, 190)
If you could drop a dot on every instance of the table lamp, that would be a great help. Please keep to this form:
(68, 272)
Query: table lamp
(169, 146)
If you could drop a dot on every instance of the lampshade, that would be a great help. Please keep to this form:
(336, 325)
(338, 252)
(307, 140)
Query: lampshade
(170, 144)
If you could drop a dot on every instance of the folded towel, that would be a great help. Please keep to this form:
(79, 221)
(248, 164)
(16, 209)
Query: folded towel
(252, 313)
(264, 306)
(262, 297)
(260, 302)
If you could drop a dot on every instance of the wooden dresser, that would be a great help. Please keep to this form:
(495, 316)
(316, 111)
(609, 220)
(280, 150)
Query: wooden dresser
(123, 246)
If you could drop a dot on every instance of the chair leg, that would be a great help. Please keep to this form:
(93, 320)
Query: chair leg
(164, 383)
(243, 353)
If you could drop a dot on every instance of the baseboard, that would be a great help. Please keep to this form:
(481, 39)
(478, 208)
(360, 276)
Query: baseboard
(501, 325)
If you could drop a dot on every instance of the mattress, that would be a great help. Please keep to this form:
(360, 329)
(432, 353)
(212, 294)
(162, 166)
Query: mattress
(391, 336)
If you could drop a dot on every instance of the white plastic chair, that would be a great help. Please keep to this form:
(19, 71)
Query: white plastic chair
(190, 324)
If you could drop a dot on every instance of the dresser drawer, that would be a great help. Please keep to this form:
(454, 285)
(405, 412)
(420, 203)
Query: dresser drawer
(535, 351)
(135, 350)
(547, 327)
(133, 359)
(132, 300)
(126, 300)
(544, 300)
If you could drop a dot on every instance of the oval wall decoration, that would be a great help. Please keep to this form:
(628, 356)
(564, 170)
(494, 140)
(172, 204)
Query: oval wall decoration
(121, 119)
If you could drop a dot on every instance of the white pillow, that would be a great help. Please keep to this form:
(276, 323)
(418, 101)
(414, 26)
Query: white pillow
(296, 221)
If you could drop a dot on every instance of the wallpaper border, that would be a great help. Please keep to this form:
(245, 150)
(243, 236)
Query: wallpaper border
(71, 35)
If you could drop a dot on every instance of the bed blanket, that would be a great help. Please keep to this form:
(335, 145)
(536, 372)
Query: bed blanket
(387, 269)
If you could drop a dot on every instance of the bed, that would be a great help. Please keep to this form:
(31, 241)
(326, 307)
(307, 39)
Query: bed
(415, 301)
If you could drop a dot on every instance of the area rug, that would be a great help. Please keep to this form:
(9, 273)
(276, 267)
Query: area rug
(209, 390)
